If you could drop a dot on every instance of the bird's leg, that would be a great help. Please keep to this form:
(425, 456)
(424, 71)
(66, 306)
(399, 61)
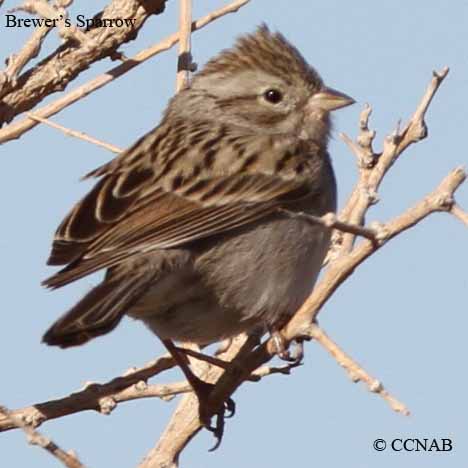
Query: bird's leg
(203, 391)
(182, 361)
(204, 357)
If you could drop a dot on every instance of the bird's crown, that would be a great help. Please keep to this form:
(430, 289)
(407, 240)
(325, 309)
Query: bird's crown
(267, 52)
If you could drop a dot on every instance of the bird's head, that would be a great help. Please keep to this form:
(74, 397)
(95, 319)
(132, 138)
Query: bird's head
(265, 85)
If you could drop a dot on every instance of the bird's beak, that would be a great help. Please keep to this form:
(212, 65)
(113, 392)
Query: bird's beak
(329, 99)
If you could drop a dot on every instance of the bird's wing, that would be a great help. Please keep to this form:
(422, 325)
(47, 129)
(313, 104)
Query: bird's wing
(139, 205)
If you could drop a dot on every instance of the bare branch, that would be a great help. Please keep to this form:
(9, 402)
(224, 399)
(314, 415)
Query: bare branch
(57, 70)
(441, 199)
(355, 372)
(75, 133)
(362, 149)
(141, 390)
(69, 459)
(98, 396)
(104, 398)
(364, 194)
(15, 130)
(460, 214)
(58, 16)
(416, 130)
(16, 62)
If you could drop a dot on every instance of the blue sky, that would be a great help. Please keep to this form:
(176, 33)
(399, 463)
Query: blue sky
(402, 314)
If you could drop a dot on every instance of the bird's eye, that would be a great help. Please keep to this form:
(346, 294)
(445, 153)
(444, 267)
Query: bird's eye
(273, 95)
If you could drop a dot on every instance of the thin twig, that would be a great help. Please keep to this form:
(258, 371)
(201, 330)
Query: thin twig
(184, 61)
(69, 459)
(75, 133)
(264, 371)
(415, 129)
(364, 194)
(460, 214)
(330, 221)
(354, 370)
(362, 148)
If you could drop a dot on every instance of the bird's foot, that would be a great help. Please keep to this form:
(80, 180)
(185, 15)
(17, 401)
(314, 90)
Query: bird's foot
(282, 350)
(207, 411)
(204, 391)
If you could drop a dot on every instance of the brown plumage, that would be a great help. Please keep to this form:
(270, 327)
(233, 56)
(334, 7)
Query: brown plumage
(186, 220)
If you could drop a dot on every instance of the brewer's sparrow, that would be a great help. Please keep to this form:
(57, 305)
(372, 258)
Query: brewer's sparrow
(187, 222)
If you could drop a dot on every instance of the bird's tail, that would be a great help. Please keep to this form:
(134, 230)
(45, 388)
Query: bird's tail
(100, 311)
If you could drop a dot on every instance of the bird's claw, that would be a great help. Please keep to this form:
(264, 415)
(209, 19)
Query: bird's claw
(228, 411)
(282, 349)
(230, 408)
(207, 412)
(298, 352)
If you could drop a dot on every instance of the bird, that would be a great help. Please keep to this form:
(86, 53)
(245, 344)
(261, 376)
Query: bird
(194, 224)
